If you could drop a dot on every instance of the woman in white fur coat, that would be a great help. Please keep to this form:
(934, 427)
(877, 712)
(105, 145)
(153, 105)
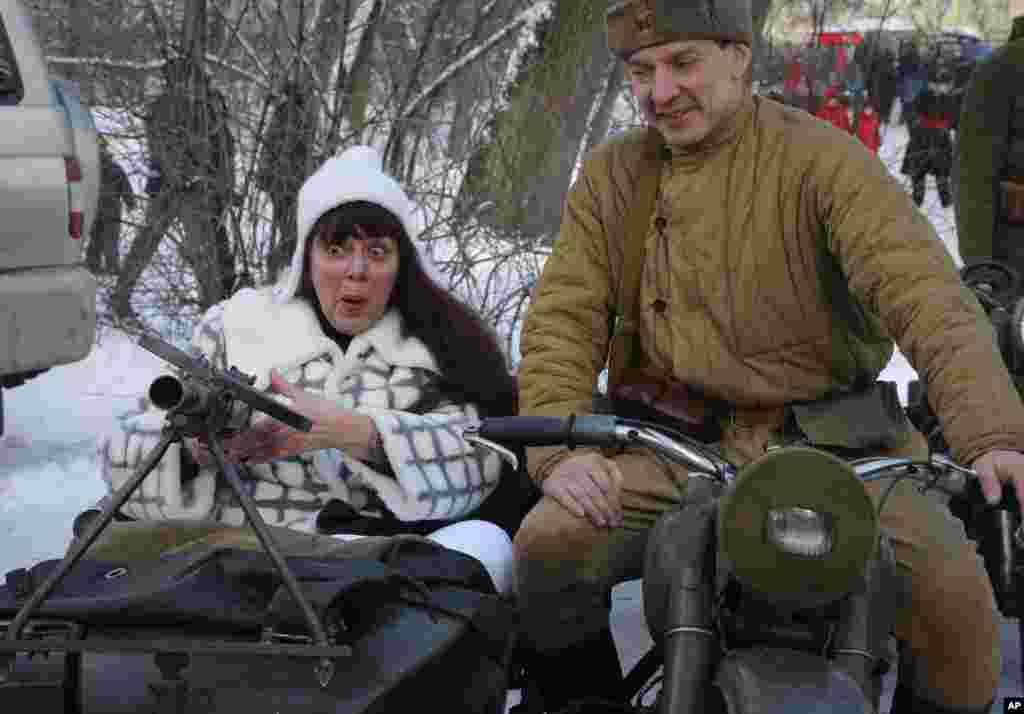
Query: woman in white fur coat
(386, 364)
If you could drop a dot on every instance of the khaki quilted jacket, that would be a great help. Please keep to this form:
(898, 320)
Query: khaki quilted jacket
(732, 297)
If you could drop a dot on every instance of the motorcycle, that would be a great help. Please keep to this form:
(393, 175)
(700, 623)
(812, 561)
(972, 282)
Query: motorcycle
(770, 588)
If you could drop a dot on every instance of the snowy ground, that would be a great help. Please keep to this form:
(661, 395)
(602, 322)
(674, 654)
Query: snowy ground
(48, 469)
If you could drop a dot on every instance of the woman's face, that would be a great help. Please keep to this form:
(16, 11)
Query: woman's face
(353, 276)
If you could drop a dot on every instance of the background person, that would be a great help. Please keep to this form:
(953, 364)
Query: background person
(989, 162)
(869, 126)
(930, 149)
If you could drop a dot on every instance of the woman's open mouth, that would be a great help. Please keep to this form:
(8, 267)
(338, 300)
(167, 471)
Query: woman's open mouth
(351, 303)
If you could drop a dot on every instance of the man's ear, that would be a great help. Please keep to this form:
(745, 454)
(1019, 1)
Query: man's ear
(741, 56)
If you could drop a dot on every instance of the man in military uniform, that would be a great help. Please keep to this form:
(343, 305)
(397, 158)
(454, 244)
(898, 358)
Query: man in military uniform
(765, 223)
(989, 163)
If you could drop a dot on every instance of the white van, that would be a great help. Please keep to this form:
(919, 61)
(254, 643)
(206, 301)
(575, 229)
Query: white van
(49, 188)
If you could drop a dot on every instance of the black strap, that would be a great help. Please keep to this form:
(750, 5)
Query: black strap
(624, 316)
(357, 575)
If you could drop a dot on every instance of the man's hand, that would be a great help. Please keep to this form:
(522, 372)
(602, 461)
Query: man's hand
(588, 485)
(999, 466)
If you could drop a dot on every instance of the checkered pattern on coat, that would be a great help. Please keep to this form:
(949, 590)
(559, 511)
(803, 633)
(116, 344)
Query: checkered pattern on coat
(431, 471)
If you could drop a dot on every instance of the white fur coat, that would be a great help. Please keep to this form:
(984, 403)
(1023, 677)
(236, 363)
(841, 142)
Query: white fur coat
(433, 473)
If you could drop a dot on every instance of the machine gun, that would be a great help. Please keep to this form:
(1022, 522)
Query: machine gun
(209, 403)
(204, 399)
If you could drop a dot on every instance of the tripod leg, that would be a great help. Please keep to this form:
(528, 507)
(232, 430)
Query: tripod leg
(325, 669)
(92, 533)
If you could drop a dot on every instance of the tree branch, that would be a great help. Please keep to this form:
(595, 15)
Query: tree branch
(468, 58)
(243, 43)
(154, 65)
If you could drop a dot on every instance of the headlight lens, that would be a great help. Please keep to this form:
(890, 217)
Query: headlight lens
(800, 531)
(797, 526)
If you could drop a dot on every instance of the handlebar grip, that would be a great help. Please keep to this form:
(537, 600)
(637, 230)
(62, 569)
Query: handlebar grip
(583, 430)
(1008, 500)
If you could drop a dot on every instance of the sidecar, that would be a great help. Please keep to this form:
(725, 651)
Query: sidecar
(209, 628)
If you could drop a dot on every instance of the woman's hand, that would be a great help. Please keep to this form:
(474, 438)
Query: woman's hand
(333, 428)
(200, 452)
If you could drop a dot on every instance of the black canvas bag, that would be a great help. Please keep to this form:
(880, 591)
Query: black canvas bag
(422, 623)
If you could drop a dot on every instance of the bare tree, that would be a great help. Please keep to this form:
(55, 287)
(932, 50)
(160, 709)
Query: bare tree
(558, 106)
(265, 90)
(192, 149)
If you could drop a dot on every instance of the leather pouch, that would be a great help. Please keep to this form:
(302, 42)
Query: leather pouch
(867, 420)
(671, 404)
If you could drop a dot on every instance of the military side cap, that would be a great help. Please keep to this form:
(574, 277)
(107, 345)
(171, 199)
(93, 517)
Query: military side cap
(637, 24)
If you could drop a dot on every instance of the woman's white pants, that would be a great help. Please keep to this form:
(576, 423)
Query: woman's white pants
(480, 539)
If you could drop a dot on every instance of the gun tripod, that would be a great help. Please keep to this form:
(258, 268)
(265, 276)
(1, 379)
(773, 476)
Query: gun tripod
(203, 409)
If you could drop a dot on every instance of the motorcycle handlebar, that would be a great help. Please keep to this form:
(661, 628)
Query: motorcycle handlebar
(608, 430)
(582, 430)
(600, 430)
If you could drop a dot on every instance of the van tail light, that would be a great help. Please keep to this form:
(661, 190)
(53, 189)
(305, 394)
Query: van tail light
(76, 215)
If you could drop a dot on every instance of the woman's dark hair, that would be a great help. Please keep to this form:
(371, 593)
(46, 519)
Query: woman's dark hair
(473, 367)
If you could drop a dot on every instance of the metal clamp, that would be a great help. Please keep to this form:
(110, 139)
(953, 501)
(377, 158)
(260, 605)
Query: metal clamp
(689, 630)
(856, 652)
(324, 669)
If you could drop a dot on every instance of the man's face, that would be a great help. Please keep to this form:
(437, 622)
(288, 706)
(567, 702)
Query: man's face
(687, 89)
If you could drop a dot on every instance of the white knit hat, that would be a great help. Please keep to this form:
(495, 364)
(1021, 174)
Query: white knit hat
(356, 175)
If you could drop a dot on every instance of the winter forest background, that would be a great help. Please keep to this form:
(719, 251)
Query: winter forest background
(214, 111)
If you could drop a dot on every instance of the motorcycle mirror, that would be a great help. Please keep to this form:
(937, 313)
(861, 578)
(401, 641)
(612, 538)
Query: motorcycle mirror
(506, 455)
(1003, 280)
(1017, 334)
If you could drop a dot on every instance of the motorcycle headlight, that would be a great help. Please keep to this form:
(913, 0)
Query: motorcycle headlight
(797, 526)
(800, 531)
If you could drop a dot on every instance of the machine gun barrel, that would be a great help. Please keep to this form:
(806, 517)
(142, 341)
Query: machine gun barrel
(202, 391)
(196, 398)
(169, 392)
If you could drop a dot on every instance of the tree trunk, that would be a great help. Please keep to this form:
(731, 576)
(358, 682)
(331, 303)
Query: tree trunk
(394, 153)
(525, 169)
(598, 130)
(547, 193)
(193, 31)
(359, 73)
(760, 10)
(187, 136)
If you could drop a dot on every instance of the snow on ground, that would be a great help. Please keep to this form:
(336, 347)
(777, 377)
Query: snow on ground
(48, 468)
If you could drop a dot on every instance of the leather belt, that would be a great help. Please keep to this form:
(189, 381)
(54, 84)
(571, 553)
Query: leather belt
(738, 416)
